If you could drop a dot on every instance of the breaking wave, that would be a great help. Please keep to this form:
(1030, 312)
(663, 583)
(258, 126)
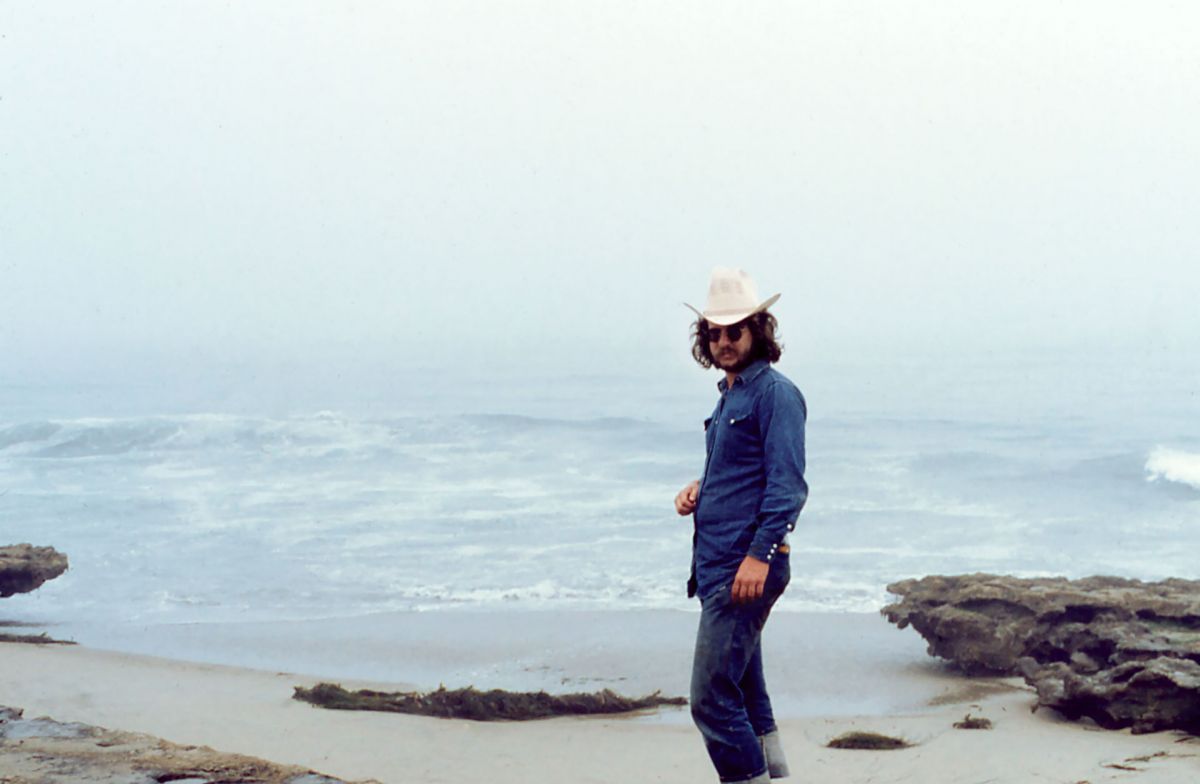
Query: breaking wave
(320, 434)
(1173, 465)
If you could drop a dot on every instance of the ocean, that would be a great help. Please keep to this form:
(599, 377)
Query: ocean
(553, 491)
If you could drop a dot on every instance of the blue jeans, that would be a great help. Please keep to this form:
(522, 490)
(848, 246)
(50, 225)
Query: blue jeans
(729, 697)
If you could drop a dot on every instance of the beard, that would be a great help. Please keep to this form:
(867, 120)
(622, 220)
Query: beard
(734, 362)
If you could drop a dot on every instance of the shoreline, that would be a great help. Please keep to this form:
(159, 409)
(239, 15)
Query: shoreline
(876, 668)
(250, 711)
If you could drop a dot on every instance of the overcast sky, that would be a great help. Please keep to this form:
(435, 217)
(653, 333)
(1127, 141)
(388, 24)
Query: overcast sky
(398, 179)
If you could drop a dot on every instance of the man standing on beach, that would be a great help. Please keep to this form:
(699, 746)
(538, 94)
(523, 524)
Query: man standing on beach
(743, 506)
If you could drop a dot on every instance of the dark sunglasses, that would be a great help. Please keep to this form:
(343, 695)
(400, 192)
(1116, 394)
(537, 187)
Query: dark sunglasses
(734, 332)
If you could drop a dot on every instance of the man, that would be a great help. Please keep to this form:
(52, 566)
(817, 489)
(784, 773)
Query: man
(743, 507)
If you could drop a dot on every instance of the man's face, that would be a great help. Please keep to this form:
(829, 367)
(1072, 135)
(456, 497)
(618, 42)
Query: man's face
(730, 353)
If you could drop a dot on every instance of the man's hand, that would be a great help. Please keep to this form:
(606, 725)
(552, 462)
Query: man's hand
(750, 579)
(685, 502)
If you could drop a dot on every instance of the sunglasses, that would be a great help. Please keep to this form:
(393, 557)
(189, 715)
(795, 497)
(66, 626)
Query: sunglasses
(734, 332)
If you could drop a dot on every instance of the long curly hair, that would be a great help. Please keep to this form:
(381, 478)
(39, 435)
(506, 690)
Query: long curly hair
(763, 327)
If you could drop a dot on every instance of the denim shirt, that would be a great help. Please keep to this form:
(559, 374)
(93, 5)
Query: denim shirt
(752, 488)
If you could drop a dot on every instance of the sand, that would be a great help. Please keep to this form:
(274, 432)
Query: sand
(250, 711)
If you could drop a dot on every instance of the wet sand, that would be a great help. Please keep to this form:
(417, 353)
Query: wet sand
(833, 673)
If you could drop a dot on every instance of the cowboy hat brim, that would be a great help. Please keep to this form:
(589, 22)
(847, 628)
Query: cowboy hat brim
(723, 318)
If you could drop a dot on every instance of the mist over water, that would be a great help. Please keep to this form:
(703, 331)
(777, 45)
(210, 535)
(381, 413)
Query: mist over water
(532, 490)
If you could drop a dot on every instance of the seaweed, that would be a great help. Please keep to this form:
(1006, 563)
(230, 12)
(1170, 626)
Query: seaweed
(471, 703)
(867, 741)
(34, 639)
(970, 722)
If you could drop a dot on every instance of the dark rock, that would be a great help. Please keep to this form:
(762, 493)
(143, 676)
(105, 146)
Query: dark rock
(1146, 696)
(24, 567)
(1122, 652)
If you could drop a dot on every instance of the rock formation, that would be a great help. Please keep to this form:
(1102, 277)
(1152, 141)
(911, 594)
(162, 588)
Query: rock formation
(44, 751)
(24, 567)
(1124, 653)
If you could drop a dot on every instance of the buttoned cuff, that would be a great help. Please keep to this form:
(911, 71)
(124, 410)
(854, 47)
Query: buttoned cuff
(764, 550)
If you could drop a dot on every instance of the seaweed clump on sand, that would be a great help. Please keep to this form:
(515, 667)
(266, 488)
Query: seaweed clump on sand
(970, 722)
(470, 703)
(33, 639)
(867, 741)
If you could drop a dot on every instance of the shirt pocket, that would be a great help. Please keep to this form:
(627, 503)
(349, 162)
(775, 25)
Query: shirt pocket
(740, 419)
(740, 437)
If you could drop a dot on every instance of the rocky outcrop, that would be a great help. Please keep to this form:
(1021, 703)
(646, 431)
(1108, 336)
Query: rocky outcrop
(44, 751)
(1147, 696)
(1124, 653)
(24, 567)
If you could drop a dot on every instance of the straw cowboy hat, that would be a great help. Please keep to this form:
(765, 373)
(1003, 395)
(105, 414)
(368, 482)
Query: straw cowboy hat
(732, 296)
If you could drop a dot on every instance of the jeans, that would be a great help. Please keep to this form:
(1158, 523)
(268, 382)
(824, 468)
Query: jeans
(729, 697)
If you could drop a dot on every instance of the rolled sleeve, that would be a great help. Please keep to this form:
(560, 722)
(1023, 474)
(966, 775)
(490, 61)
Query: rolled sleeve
(782, 413)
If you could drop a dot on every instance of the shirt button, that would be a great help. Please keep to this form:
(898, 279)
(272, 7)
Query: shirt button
(732, 421)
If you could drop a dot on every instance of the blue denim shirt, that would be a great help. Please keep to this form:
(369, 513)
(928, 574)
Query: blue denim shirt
(752, 488)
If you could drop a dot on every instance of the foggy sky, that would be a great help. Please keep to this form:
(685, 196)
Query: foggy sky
(506, 180)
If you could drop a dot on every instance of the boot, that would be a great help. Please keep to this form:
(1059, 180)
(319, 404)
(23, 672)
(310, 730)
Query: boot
(777, 765)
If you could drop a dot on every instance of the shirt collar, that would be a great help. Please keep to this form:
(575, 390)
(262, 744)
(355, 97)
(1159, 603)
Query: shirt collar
(752, 371)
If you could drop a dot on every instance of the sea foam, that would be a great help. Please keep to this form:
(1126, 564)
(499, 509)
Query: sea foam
(1173, 465)
(213, 517)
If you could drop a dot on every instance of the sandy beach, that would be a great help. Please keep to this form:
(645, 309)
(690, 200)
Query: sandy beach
(371, 344)
(835, 673)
